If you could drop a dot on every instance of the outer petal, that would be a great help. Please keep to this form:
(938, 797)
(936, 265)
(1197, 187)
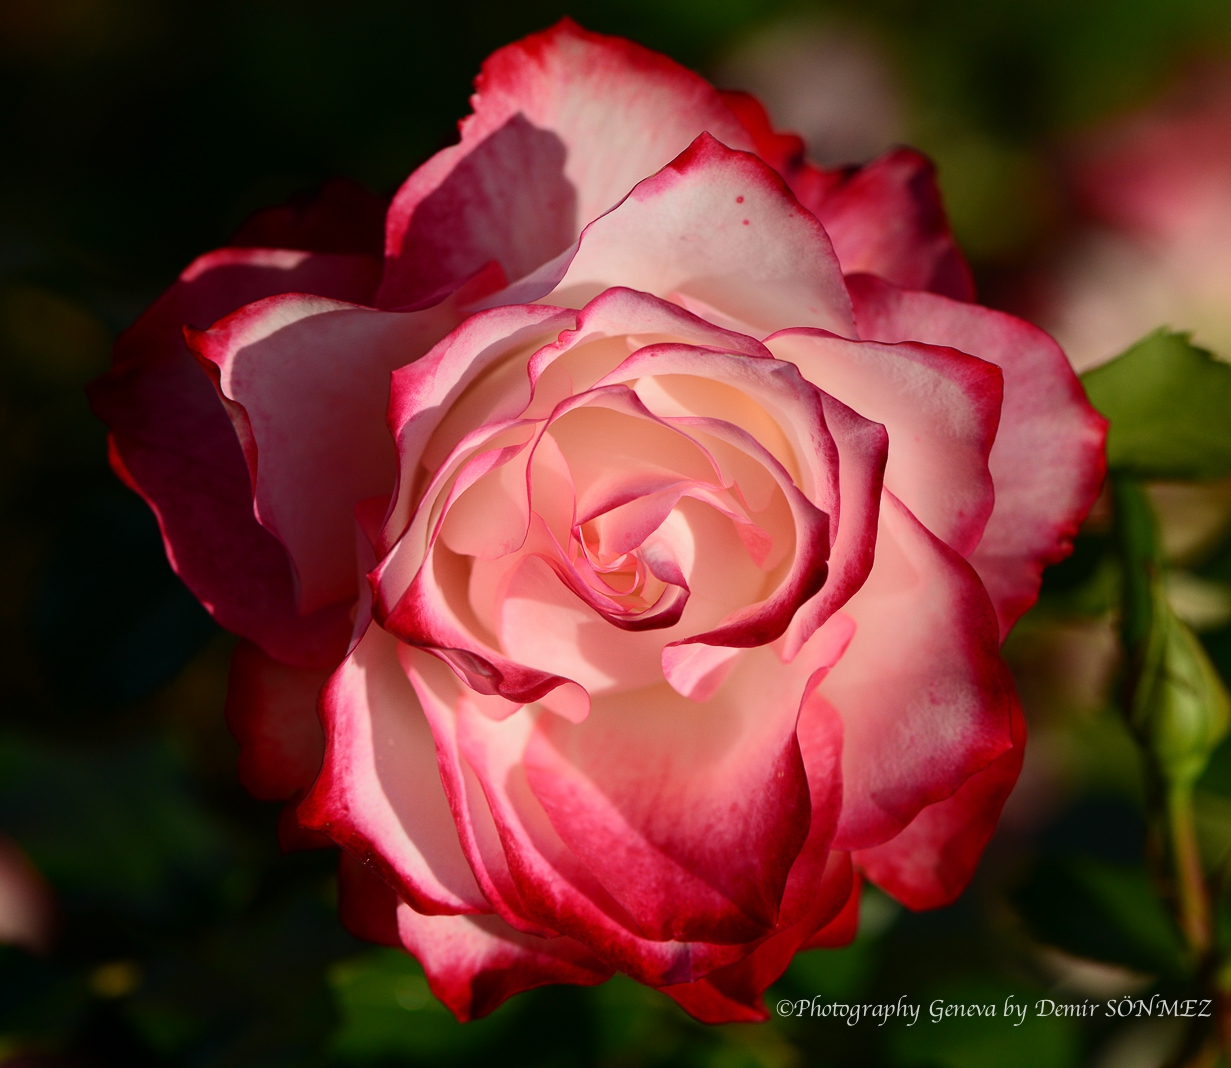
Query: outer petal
(379, 794)
(340, 216)
(885, 217)
(565, 123)
(271, 710)
(782, 151)
(1047, 463)
(307, 381)
(920, 688)
(473, 963)
(173, 443)
(821, 894)
(930, 863)
(734, 993)
(714, 228)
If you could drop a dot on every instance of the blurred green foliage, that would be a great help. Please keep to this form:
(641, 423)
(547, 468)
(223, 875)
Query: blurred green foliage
(1167, 401)
(139, 133)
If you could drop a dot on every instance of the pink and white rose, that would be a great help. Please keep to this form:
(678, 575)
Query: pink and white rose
(644, 530)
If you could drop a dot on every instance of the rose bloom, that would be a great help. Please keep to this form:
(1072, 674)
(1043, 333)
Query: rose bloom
(642, 531)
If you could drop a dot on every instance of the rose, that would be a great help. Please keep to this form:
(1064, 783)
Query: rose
(682, 560)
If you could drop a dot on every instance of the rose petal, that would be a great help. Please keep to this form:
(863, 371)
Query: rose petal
(940, 407)
(436, 389)
(379, 794)
(340, 216)
(1047, 462)
(565, 123)
(271, 711)
(308, 384)
(473, 963)
(885, 217)
(173, 443)
(715, 225)
(532, 878)
(692, 815)
(932, 860)
(920, 688)
(863, 449)
(734, 994)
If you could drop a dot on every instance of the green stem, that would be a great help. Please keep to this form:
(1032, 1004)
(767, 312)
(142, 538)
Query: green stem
(1140, 560)
(1192, 895)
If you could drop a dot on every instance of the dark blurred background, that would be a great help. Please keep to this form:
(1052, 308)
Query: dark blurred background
(149, 916)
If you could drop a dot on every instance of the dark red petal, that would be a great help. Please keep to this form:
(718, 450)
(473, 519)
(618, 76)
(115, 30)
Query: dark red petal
(271, 710)
(339, 216)
(782, 151)
(472, 963)
(885, 217)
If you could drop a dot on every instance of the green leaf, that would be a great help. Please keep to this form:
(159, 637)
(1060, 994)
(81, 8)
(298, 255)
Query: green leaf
(1169, 404)
(1102, 911)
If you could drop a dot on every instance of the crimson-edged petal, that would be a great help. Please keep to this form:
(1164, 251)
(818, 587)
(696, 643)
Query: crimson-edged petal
(172, 442)
(782, 151)
(919, 688)
(690, 815)
(863, 449)
(535, 881)
(1047, 462)
(933, 859)
(885, 217)
(715, 227)
(306, 382)
(565, 123)
(379, 794)
(734, 994)
(940, 407)
(472, 963)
